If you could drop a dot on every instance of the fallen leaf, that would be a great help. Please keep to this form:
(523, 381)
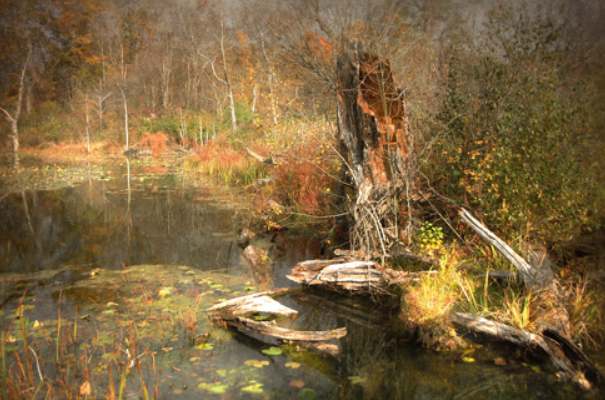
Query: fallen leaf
(292, 364)
(85, 389)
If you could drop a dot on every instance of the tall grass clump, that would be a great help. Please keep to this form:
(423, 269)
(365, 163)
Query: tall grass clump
(228, 165)
(428, 303)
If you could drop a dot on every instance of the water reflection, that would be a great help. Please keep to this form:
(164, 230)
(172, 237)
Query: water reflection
(134, 220)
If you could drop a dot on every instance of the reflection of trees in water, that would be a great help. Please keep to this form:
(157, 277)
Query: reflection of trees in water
(100, 224)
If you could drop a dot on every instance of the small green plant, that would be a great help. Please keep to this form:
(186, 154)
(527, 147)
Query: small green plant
(430, 239)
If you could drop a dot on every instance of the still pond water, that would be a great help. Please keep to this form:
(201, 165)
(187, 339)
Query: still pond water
(104, 283)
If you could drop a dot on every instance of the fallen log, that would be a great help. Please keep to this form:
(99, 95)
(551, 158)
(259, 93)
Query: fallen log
(353, 277)
(540, 280)
(537, 343)
(238, 314)
(367, 278)
(265, 160)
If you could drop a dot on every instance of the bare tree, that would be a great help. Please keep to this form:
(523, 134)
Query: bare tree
(13, 118)
(225, 79)
(125, 104)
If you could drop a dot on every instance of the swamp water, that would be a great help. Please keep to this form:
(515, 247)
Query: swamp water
(104, 285)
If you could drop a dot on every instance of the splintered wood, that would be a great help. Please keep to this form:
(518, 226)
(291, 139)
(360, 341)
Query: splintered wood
(373, 134)
(239, 313)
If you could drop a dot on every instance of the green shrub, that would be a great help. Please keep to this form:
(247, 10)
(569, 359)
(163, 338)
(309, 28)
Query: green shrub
(517, 142)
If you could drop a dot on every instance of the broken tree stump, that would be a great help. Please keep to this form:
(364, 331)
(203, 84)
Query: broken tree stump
(373, 135)
(239, 313)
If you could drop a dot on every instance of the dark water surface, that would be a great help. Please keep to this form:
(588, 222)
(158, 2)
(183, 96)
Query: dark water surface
(66, 255)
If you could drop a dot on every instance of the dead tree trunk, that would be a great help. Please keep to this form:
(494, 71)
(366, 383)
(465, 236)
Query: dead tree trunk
(373, 133)
(13, 118)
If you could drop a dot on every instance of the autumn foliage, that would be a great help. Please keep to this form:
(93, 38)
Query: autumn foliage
(303, 179)
(156, 142)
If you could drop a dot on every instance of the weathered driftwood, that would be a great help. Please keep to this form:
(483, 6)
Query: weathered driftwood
(356, 277)
(236, 313)
(256, 303)
(567, 358)
(353, 277)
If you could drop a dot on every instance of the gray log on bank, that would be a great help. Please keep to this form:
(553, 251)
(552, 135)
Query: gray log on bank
(553, 323)
(237, 313)
(567, 364)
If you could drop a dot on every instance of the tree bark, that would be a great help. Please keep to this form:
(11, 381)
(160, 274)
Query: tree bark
(373, 132)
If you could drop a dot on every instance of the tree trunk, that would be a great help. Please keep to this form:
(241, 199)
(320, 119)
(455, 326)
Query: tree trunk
(373, 133)
(87, 118)
(126, 133)
(227, 81)
(14, 118)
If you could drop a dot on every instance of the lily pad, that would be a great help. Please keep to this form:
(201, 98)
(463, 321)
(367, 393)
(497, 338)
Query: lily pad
(307, 394)
(253, 387)
(205, 346)
(256, 363)
(272, 351)
(292, 365)
(357, 380)
(214, 388)
(468, 359)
